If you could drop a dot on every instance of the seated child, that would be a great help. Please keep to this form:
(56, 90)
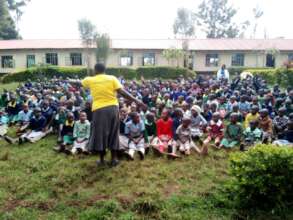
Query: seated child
(286, 136)
(81, 134)
(12, 109)
(280, 122)
(233, 133)
(66, 134)
(252, 135)
(150, 128)
(164, 142)
(37, 128)
(24, 117)
(4, 120)
(198, 122)
(265, 124)
(215, 131)
(252, 116)
(134, 129)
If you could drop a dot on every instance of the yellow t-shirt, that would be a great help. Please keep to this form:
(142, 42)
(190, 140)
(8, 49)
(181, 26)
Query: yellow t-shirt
(103, 90)
(249, 118)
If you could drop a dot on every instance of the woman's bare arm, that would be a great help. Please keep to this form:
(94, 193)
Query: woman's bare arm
(128, 96)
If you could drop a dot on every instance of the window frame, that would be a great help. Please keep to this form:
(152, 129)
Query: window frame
(290, 57)
(73, 58)
(11, 65)
(209, 56)
(27, 59)
(127, 55)
(146, 55)
(52, 59)
(238, 61)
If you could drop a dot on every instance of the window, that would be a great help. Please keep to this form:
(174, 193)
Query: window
(7, 62)
(149, 59)
(126, 59)
(52, 58)
(76, 59)
(290, 57)
(270, 60)
(238, 59)
(30, 60)
(212, 59)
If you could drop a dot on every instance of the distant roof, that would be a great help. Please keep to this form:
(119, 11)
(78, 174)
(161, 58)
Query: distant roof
(194, 44)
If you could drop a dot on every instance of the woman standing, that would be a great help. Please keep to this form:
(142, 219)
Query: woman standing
(105, 118)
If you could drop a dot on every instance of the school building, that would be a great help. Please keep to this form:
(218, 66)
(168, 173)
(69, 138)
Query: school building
(205, 55)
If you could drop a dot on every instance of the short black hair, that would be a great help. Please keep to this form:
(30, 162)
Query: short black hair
(100, 68)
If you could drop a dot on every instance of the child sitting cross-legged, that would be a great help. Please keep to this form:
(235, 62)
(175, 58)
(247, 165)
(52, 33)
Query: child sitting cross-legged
(233, 133)
(164, 142)
(266, 125)
(134, 129)
(36, 128)
(252, 135)
(81, 134)
(183, 133)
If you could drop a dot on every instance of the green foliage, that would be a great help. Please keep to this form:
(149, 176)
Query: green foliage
(215, 17)
(127, 73)
(37, 73)
(234, 70)
(87, 31)
(262, 178)
(163, 72)
(280, 76)
(7, 25)
(173, 54)
(43, 72)
(103, 48)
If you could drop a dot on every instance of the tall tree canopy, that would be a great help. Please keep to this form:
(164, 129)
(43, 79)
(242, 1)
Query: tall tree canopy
(184, 23)
(8, 29)
(215, 17)
(7, 25)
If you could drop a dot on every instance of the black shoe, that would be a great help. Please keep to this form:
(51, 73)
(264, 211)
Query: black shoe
(20, 141)
(100, 163)
(114, 163)
(141, 155)
(79, 150)
(128, 156)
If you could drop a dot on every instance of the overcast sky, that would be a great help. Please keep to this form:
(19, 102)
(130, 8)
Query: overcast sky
(57, 19)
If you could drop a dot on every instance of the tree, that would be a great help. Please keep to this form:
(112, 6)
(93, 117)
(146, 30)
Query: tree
(184, 23)
(88, 34)
(7, 25)
(173, 54)
(103, 48)
(257, 14)
(216, 19)
(16, 7)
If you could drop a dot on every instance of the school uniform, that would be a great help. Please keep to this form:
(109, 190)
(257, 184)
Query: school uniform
(81, 135)
(135, 131)
(36, 125)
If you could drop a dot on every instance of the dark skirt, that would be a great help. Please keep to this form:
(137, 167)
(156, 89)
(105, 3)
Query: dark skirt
(105, 129)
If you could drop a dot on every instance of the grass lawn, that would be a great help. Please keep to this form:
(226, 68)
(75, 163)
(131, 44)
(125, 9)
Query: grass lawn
(37, 183)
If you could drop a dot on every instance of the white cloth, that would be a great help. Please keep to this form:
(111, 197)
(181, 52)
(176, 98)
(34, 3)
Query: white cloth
(225, 76)
(136, 147)
(3, 130)
(79, 144)
(34, 136)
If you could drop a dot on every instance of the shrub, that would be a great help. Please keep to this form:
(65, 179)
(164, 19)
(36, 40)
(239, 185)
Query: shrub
(44, 72)
(163, 72)
(234, 70)
(281, 76)
(262, 178)
(127, 73)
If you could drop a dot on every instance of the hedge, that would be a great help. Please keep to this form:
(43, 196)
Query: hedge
(234, 70)
(163, 72)
(280, 76)
(128, 73)
(36, 73)
(262, 177)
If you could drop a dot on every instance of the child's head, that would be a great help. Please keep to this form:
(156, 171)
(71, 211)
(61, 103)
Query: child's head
(25, 107)
(165, 114)
(216, 116)
(195, 110)
(234, 118)
(150, 117)
(264, 113)
(82, 117)
(282, 111)
(70, 116)
(37, 112)
(135, 117)
(254, 109)
(186, 122)
(235, 108)
(178, 113)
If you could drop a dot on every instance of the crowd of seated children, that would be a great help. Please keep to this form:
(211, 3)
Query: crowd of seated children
(183, 115)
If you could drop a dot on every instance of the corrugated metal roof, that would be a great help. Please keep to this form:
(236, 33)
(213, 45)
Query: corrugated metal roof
(194, 44)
